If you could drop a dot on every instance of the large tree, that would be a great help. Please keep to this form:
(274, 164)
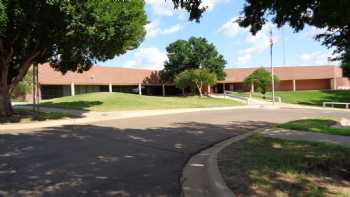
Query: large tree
(69, 34)
(261, 80)
(192, 54)
(195, 79)
(332, 16)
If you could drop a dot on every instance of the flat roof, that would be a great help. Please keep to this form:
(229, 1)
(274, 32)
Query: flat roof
(288, 73)
(99, 75)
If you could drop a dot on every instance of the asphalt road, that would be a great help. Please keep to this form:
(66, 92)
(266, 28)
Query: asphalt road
(140, 157)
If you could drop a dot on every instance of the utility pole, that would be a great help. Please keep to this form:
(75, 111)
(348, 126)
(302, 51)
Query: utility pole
(272, 71)
(35, 88)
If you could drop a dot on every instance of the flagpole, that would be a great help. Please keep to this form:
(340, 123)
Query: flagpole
(272, 71)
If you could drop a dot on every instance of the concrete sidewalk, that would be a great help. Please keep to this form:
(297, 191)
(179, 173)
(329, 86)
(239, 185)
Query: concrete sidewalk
(201, 176)
(90, 117)
(307, 136)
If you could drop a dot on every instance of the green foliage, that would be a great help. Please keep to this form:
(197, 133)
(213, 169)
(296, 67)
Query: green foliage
(70, 35)
(192, 6)
(185, 80)
(3, 17)
(197, 78)
(23, 87)
(333, 16)
(261, 79)
(192, 54)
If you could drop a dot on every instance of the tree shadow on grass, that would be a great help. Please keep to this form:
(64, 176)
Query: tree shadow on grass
(79, 105)
(262, 166)
(89, 160)
(25, 116)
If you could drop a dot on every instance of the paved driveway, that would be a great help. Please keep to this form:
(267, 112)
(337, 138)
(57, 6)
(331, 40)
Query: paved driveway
(139, 157)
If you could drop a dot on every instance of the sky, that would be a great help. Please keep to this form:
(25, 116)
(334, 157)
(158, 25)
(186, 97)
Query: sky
(236, 44)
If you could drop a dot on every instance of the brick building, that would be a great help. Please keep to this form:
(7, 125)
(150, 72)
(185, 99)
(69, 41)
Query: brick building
(141, 81)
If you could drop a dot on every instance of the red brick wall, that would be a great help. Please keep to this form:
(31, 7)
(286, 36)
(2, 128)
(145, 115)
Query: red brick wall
(287, 85)
(343, 82)
(284, 86)
(241, 87)
(313, 84)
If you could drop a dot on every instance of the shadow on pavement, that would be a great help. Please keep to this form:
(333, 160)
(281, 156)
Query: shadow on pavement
(90, 160)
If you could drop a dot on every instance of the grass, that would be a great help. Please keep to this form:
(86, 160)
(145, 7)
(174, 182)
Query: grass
(26, 116)
(314, 97)
(123, 101)
(316, 125)
(262, 166)
(309, 97)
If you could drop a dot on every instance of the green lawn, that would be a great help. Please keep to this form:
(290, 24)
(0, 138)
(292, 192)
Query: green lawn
(123, 101)
(26, 116)
(316, 125)
(308, 97)
(314, 97)
(262, 166)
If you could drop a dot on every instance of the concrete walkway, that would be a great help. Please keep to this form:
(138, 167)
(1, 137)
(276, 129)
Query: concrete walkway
(141, 156)
(307, 136)
(84, 117)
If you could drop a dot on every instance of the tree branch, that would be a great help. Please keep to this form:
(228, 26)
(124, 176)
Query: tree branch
(23, 70)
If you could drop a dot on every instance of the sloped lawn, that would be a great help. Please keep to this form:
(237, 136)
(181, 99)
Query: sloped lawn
(123, 101)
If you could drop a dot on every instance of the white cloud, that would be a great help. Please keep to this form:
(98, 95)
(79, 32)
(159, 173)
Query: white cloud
(317, 58)
(166, 7)
(258, 44)
(161, 7)
(211, 4)
(314, 31)
(231, 28)
(244, 58)
(150, 58)
(153, 29)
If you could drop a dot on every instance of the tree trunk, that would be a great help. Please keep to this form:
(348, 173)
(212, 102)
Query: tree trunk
(199, 87)
(5, 102)
(5, 99)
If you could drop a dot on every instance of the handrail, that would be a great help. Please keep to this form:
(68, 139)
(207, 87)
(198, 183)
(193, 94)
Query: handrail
(277, 98)
(324, 104)
(230, 94)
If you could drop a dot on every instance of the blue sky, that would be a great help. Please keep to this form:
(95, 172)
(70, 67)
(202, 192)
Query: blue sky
(237, 45)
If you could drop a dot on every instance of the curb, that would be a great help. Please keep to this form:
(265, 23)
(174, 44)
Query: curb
(193, 178)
